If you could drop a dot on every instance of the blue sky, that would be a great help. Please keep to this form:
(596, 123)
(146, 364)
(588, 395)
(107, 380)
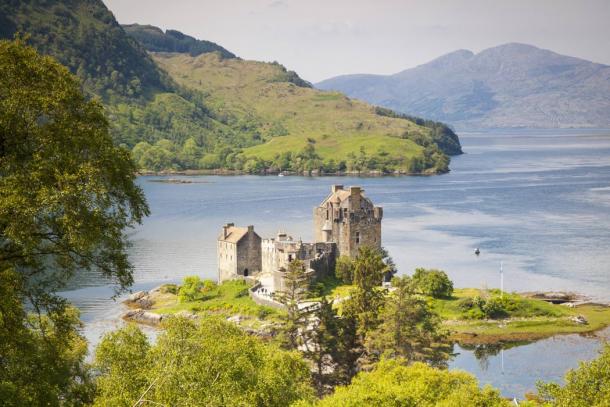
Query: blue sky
(324, 38)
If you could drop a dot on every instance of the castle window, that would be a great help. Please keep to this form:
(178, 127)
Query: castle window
(327, 214)
(357, 237)
(289, 258)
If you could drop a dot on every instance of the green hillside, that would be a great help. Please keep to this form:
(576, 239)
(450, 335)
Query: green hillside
(142, 102)
(206, 109)
(155, 40)
(301, 128)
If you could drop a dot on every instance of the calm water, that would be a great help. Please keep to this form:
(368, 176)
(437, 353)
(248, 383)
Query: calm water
(539, 202)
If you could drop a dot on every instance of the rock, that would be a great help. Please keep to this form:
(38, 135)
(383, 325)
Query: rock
(143, 317)
(187, 314)
(144, 303)
(580, 319)
(235, 319)
(137, 295)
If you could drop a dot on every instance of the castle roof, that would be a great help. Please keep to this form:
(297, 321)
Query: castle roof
(232, 234)
(338, 194)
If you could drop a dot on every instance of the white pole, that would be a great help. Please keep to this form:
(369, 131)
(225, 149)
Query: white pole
(501, 280)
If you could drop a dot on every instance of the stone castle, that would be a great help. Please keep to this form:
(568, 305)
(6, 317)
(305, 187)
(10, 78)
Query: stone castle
(343, 222)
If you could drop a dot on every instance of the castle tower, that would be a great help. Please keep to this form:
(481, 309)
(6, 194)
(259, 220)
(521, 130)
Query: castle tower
(238, 252)
(349, 219)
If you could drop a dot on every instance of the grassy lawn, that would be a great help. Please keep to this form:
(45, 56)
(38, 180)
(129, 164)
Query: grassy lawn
(227, 299)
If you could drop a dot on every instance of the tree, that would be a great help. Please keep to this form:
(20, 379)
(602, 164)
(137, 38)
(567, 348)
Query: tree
(409, 328)
(392, 383)
(66, 196)
(434, 283)
(344, 269)
(367, 297)
(191, 289)
(206, 363)
(587, 386)
(322, 345)
(294, 291)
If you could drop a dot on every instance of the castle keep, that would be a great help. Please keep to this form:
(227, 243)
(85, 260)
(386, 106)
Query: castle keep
(343, 222)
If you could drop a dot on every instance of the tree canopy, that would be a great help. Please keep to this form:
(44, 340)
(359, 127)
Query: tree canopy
(206, 363)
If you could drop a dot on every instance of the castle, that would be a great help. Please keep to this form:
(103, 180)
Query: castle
(343, 222)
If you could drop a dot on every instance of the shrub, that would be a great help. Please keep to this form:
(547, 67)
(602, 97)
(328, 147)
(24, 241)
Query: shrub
(191, 289)
(169, 289)
(434, 283)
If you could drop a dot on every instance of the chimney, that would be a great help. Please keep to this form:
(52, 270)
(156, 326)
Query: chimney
(354, 191)
(336, 188)
(225, 228)
(250, 228)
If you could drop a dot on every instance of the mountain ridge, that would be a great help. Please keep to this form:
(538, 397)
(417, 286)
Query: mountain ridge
(511, 85)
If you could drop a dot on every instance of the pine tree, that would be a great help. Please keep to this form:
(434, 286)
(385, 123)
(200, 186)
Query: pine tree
(295, 290)
(408, 328)
(322, 345)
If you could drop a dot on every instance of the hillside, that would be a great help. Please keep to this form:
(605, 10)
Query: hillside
(216, 111)
(302, 126)
(154, 39)
(512, 85)
(142, 102)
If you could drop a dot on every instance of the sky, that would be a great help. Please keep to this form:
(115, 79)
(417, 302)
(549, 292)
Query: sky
(325, 38)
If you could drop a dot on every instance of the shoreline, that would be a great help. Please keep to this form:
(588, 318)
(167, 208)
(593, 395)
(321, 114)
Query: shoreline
(585, 318)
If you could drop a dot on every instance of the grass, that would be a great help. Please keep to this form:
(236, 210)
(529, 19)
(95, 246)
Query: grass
(250, 90)
(528, 319)
(227, 299)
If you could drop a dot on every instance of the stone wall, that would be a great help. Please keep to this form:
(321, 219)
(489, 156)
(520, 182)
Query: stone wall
(226, 256)
(249, 259)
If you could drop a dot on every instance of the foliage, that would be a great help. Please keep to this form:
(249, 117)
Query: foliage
(41, 356)
(191, 289)
(434, 283)
(587, 386)
(322, 345)
(392, 383)
(367, 297)
(66, 192)
(409, 327)
(210, 363)
(294, 291)
(155, 40)
(66, 196)
(344, 269)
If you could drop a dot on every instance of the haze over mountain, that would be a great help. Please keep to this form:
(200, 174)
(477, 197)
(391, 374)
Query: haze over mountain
(511, 85)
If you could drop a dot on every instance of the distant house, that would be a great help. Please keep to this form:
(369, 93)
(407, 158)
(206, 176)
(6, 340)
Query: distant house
(238, 251)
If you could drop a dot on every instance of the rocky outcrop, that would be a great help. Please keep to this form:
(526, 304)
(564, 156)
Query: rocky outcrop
(141, 316)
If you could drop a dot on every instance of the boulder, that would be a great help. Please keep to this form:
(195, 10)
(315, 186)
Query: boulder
(143, 317)
(580, 319)
(137, 295)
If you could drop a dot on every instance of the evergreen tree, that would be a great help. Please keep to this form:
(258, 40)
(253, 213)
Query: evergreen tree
(322, 345)
(367, 297)
(409, 328)
(295, 290)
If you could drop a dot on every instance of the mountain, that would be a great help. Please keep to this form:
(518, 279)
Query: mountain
(155, 40)
(198, 106)
(511, 85)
